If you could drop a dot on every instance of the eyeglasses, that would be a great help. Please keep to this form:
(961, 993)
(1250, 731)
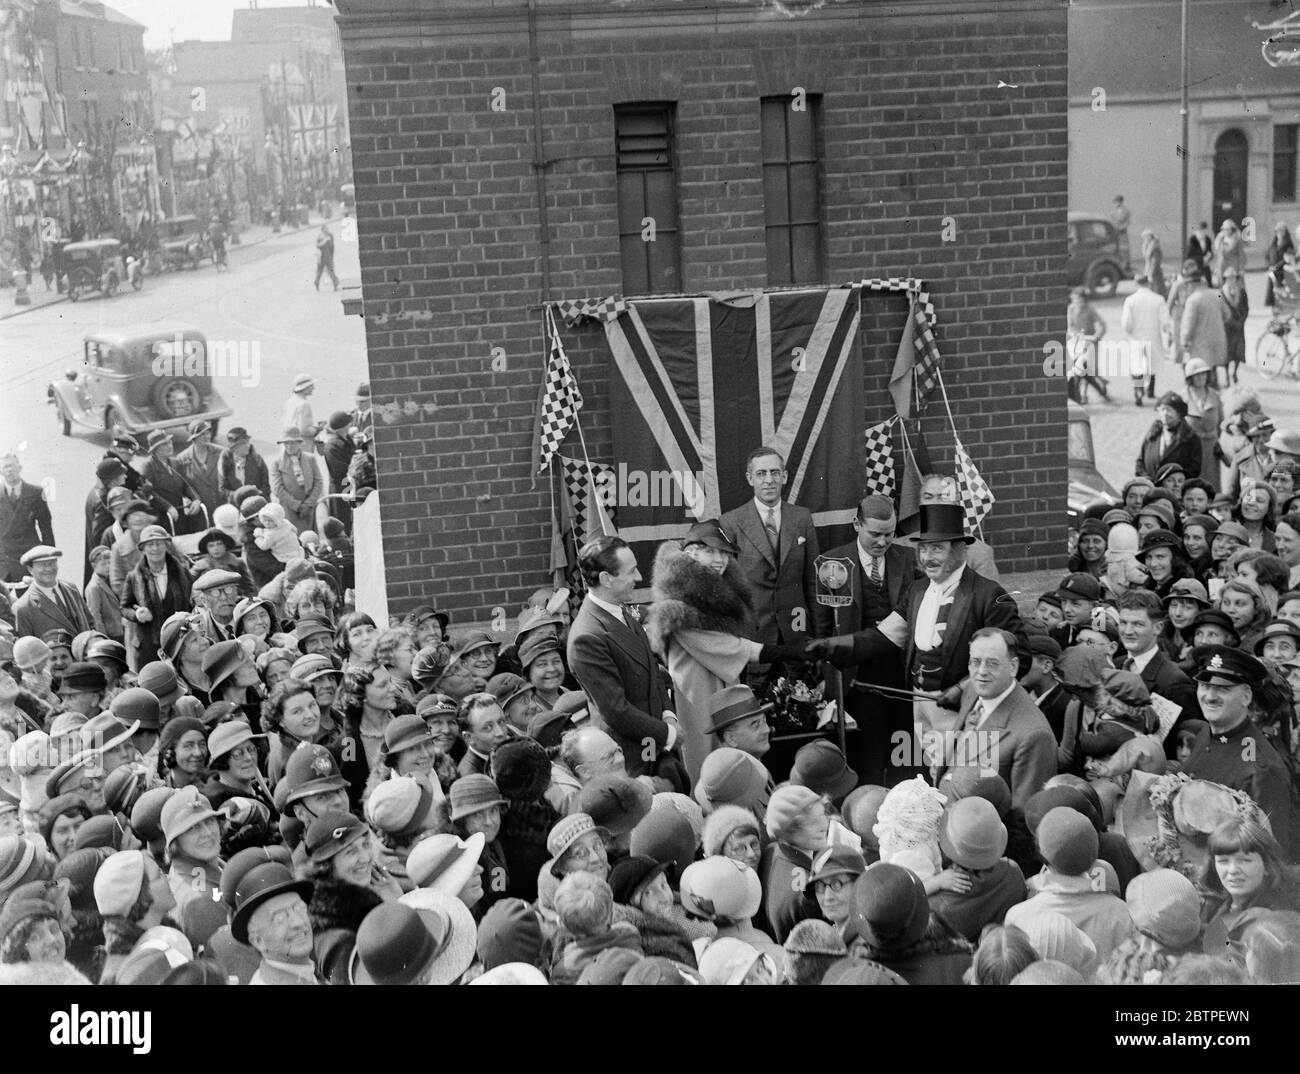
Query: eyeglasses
(990, 662)
(835, 883)
(297, 911)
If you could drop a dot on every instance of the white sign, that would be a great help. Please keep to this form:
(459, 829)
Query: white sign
(237, 119)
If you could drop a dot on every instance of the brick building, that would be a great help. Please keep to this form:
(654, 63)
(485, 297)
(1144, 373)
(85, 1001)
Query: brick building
(933, 147)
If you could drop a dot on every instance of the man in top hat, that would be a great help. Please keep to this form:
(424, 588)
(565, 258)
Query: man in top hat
(48, 604)
(1002, 728)
(296, 481)
(1170, 439)
(1231, 749)
(934, 619)
(24, 518)
(778, 552)
(200, 465)
(170, 486)
(241, 466)
(271, 917)
(942, 488)
(1253, 459)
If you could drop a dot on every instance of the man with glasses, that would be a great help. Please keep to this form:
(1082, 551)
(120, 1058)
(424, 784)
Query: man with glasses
(778, 552)
(1001, 727)
(215, 594)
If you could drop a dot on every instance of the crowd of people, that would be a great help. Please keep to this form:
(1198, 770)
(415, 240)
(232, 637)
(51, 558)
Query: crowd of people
(243, 778)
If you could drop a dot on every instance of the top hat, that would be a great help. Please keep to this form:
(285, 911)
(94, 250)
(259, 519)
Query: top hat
(941, 522)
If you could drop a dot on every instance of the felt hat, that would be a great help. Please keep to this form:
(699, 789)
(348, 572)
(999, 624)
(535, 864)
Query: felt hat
(32, 753)
(1285, 442)
(452, 927)
(1060, 795)
(860, 810)
(84, 676)
(1173, 400)
(38, 553)
(247, 605)
(667, 836)
(340, 419)
(857, 971)
(615, 802)
(146, 814)
(610, 966)
(109, 468)
(215, 579)
(510, 932)
(888, 908)
(1079, 586)
(87, 762)
(289, 436)
(684, 804)
(711, 534)
(630, 877)
(656, 970)
(228, 736)
(472, 641)
(837, 860)
(1081, 666)
(118, 883)
(1188, 589)
(727, 961)
(575, 704)
(330, 833)
(941, 522)
(422, 612)
(79, 868)
(536, 645)
(1207, 522)
(1154, 539)
(60, 805)
(504, 685)
(153, 533)
(444, 863)
(30, 652)
(222, 661)
(158, 438)
(730, 776)
(720, 889)
(568, 830)
(259, 884)
(313, 666)
(474, 793)
(1126, 686)
(1214, 617)
(820, 766)
(1165, 905)
(184, 810)
(521, 768)
(160, 679)
(813, 937)
(548, 727)
(733, 703)
(309, 627)
(1067, 841)
(1234, 530)
(1276, 628)
(80, 644)
(968, 781)
(101, 830)
(404, 733)
(303, 381)
(393, 946)
(1159, 509)
(535, 619)
(725, 821)
(123, 786)
(174, 630)
(243, 861)
(972, 834)
(176, 727)
(1054, 936)
(201, 918)
(1044, 645)
(788, 802)
(1223, 665)
(399, 806)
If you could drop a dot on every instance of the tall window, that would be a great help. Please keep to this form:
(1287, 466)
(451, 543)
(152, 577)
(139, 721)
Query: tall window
(791, 195)
(648, 235)
(1284, 161)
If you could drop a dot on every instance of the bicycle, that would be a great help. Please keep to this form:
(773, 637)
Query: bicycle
(1278, 349)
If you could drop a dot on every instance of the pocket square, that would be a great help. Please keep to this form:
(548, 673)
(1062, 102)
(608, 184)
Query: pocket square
(803, 540)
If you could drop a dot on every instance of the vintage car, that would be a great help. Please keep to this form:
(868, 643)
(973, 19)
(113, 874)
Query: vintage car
(154, 378)
(96, 265)
(1087, 486)
(1094, 257)
(184, 242)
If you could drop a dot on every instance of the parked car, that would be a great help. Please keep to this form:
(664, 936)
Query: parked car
(96, 265)
(184, 242)
(1094, 258)
(1087, 487)
(139, 380)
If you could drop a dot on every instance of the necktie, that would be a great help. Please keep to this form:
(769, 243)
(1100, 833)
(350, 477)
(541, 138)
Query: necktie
(773, 534)
(976, 714)
(875, 571)
(1129, 664)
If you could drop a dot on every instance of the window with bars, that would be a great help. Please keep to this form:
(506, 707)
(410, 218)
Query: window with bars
(648, 234)
(791, 189)
(1284, 161)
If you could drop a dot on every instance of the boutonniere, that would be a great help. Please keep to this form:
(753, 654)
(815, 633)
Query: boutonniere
(633, 611)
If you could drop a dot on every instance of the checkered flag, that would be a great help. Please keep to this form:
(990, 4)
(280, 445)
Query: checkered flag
(580, 492)
(880, 460)
(561, 399)
(973, 491)
(598, 309)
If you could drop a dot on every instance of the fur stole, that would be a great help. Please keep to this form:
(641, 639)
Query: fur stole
(689, 596)
(336, 904)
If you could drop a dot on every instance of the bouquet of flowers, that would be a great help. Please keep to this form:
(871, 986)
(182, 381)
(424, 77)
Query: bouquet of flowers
(797, 698)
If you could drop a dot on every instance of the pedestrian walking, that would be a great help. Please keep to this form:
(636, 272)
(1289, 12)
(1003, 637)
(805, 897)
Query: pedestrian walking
(1234, 305)
(1229, 251)
(325, 256)
(1119, 218)
(1201, 331)
(1153, 262)
(1280, 257)
(1145, 321)
(1200, 247)
(1084, 328)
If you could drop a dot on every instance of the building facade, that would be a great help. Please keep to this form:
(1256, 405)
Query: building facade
(511, 154)
(1126, 128)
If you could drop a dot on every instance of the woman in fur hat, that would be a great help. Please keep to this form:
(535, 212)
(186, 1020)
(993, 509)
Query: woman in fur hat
(700, 622)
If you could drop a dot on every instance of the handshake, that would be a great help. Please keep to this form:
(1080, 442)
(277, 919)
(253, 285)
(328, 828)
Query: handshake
(837, 651)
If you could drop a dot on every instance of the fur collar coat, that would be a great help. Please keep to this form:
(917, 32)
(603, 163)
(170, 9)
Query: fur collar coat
(689, 596)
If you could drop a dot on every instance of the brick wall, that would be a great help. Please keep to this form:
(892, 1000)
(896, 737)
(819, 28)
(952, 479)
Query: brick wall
(915, 129)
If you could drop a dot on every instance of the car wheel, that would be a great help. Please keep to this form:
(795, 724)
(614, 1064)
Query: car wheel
(110, 285)
(1103, 280)
(176, 397)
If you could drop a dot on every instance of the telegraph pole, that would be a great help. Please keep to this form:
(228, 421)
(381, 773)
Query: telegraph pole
(1186, 149)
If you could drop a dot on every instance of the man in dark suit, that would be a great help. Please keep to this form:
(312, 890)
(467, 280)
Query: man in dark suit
(934, 620)
(778, 550)
(610, 656)
(1141, 617)
(1001, 728)
(24, 518)
(48, 604)
(882, 570)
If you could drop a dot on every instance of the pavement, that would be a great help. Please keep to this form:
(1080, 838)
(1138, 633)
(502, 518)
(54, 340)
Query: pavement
(251, 236)
(1118, 426)
(265, 305)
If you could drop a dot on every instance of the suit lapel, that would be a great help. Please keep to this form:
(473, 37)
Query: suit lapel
(961, 603)
(786, 538)
(52, 611)
(625, 637)
(752, 527)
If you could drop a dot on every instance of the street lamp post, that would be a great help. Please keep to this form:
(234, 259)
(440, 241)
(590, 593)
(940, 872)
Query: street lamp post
(1186, 149)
